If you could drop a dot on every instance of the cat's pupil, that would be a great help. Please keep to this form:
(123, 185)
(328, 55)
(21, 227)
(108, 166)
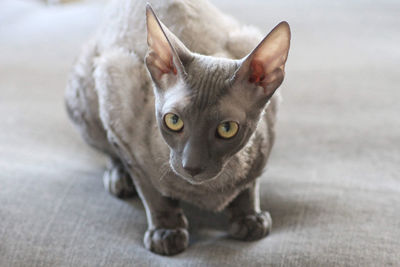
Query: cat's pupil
(227, 126)
(175, 119)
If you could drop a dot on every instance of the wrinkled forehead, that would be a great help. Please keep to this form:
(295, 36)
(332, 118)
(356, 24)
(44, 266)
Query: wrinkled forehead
(208, 78)
(207, 82)
(184, 103)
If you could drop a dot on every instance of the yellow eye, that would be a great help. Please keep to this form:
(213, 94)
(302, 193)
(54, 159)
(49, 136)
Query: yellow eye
(228, 129)
(173, 122)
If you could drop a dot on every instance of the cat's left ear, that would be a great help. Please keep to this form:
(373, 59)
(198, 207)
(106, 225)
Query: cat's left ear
(166, 53)
(263, 70)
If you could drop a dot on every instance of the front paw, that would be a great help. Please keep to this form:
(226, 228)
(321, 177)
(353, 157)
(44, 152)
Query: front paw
(118, 182)
(166, 241)
(251, 227)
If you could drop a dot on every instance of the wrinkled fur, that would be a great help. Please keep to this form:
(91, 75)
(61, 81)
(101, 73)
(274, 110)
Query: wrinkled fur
(110, 99)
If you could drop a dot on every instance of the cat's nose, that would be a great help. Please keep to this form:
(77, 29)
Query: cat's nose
(193, 170)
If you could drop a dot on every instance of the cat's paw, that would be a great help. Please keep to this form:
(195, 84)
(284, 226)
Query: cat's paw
(118, 182)
(251, 227)
(166, 241)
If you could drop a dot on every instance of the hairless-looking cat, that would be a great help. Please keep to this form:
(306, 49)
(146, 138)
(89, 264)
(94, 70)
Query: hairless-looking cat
(184, 113)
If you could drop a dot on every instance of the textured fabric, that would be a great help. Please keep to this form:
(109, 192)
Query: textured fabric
(332, 185)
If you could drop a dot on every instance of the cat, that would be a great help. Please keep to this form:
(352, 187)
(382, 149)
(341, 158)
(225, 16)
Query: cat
(184, 113)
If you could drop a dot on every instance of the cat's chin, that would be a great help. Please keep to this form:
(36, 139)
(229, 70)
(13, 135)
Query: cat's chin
(198, 181)
(194, 180)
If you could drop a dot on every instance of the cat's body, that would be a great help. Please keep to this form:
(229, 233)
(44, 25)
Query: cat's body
(110, 98)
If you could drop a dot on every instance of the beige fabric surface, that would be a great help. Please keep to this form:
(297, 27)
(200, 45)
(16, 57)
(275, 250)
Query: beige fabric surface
(332, 185)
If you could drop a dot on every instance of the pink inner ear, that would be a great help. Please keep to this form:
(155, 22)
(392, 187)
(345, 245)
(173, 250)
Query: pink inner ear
(163, 66)
(257, 72)
(172, 67)
(167, 68)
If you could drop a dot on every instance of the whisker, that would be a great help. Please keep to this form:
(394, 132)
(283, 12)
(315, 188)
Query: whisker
(166, 171)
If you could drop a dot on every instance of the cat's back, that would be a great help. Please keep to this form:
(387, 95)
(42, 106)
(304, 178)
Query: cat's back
(125, 26)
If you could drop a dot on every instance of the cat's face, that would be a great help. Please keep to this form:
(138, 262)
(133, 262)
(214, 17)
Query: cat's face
(202, 121)
(207, 108)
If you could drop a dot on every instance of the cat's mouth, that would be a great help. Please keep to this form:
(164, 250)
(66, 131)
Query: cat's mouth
(207, 175)
(196, 179)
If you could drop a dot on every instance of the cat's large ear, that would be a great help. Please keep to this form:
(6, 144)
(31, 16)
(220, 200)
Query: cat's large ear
(263, 70)
(166, 53)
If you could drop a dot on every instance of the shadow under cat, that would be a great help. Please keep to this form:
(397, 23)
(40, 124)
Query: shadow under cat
(284, 209)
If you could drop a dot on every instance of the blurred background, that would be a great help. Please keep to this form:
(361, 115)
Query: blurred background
(332, 185)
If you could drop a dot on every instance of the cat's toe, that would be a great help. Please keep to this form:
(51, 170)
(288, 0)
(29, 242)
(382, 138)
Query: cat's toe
(166, 241)
(251, 227)
(118, 182)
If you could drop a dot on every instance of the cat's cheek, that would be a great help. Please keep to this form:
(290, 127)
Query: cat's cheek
(225, 149)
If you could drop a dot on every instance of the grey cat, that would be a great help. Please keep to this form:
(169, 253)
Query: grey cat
(181, 125)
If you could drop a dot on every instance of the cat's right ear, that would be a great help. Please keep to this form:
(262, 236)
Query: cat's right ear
(165, 52)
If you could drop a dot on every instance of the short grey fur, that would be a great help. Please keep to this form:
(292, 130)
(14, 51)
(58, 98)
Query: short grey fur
(119, 103)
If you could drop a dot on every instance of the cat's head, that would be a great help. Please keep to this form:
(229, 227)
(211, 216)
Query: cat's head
(207, 108)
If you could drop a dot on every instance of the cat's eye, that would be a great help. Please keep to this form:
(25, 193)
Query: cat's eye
(173, 122)
(227, 129)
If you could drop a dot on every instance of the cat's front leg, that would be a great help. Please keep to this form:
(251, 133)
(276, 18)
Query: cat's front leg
(167, 232)
(247, 221)
(117, 180)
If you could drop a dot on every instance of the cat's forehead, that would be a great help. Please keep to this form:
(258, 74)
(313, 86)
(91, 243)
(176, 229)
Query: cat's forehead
(206, 84)
(208, 79)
